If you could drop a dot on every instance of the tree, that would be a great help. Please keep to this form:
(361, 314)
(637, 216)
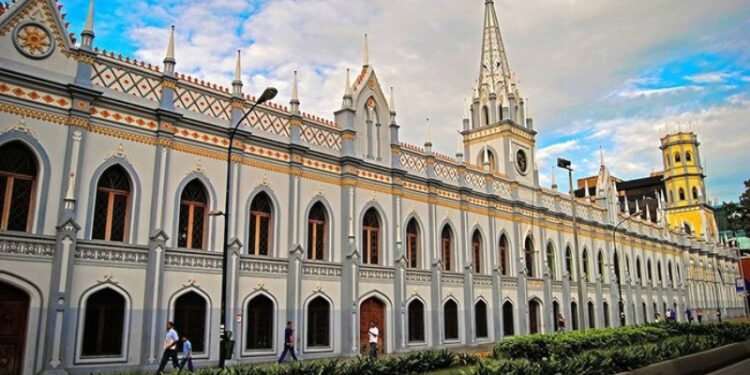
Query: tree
(738, 214)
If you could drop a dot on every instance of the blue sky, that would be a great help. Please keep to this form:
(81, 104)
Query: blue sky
(610, 73)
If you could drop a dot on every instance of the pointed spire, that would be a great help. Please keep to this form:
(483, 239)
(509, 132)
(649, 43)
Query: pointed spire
(169, 61)
(466, 109)
(237, 82)
(494, 67)
(601, 156)
(586, 187)
(347, 103)
(392, 102)
(294, 101)
(554, 179)
(87, 35)
(366, 54)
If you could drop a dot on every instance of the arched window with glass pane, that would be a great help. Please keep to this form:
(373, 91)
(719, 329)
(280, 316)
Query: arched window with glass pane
(112, 205)
(504, 258)
(650, 272)
(318, 323)
(569, 263)
(688, 156)
(412, 243)
(450, 320)
(480, 319)
(18, 176)
(416, 321)
(476, 251)
(600, 268)
(446, 247)
(193, 216)
(528, 249)
(261, 225)
(638, 270)
(259, 327)
(585, 261)
(551, 263)
(317, 223)
(371, 237)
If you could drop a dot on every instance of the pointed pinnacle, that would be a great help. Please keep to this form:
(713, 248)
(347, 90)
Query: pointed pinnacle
(366, 54)
(238, 68)
(427, 132)
(295, 93)
(89, 26)
(393, 101)
(170, 46)
(347, 86)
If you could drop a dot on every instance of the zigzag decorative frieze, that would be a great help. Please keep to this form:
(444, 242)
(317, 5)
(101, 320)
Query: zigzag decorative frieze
(413, 162)
(267, 121)
(202, 102)
(34, 95)
(474, 179)
(446, 171)
(319, 136)
(127, 81)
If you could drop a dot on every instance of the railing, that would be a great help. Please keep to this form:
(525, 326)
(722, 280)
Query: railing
(94, 251)
(376, 273)
(264, 266)
(26, 246)
(418, 276)
(318, 270)
(193, 260)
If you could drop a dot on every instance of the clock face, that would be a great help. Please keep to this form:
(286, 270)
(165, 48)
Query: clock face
(521, 162)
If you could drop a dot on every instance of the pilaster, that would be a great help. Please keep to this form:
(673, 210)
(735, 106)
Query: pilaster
(153, 314)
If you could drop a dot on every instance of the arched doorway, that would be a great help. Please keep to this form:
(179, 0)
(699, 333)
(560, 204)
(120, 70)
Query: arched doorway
(371, 310)
(605, 312)
(508, 319)
(555, 312)
(190, 319)
(534, 316)
(14, 310)
(592, 318)
(574, 315)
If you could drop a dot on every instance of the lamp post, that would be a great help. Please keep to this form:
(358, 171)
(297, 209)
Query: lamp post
(268, 94)
(566, 164)
(620, 304)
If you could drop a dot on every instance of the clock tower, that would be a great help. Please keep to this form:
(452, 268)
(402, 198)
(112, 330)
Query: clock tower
(498, 131)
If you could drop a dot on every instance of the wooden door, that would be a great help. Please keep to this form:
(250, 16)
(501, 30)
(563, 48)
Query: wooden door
(533, 317)
(371, 310)
(14, 308)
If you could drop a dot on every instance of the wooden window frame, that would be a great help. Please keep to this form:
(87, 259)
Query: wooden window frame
(111, 194)
(191, 205)
(8, 199)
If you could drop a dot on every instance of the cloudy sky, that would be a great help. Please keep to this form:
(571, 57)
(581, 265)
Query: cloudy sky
(607, 73)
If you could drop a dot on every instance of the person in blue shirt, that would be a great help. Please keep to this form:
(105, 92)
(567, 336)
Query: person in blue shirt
(288, 342)
(187, 354)
(170, 348)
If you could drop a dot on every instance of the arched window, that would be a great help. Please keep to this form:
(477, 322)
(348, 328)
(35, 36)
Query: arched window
(658, 273)
(616, 263)
(412, 243)
(371, 237)
(261, 224)
(638, 270)
(551, 262)
(491, 161)
(682, 194)
(504, 262)
(190, 319)
(688, 229)
(688, 156)
(480, 319)
(649, 271)
(677, 158)
(670, 273)
(569, 263)
(671, 196)
(695, 193)
(316, 232)
(600, 268)
(555, 313)
(446, 245)
(592, 315)
(485, 115)
(112, 206)
(585, 261)
(259, 323)
(103, 324)
(528, 249)
(450, 320)
(193, 214)
(508, 318)
(416, 321)
(476, 251)
(318, 323)
(605, 312)
(18, 174)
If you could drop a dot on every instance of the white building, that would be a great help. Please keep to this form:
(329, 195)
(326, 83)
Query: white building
(109, 167)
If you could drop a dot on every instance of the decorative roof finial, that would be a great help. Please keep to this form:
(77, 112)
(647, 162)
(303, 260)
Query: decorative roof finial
(554, 179)
(428, 135)
(87, 35)
(169, 61)
(486, 158)
(294, 101)
(393, 102)
(237, 83)
(459, 147)
(366, 54)
(601, 156)
(466, 109)
(347, 103)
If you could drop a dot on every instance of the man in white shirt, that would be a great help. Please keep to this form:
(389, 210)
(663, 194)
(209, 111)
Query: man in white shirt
(170, 348)
(373, 332)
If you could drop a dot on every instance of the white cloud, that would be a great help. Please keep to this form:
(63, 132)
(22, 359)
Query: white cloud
(643, 93)
(712, 77)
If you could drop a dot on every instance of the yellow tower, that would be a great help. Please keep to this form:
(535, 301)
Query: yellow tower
(685, 186)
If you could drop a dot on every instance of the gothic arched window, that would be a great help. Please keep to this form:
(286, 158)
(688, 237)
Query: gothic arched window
(316, 232)
(569, 263)
(551, 261)
(446, 247)
(677, 158)
(18, 174)
(103, 324)
(480, 319)
(190, 312)
(260, 312)
(318, 323)
(585, 261)
(682, 194)
(695, 193)
(412, 243)
(112, 205)
(476, 251)
(416, 321)
(261, 224)
(371, 237)
(600, 264)
(503, 248)
(528, 249)
(688, 156)
(450, 320)
(485, 115)
(193, 214)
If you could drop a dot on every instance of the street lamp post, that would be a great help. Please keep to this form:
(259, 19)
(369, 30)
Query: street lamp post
(566, 164)
(614, 246)
(268, 94)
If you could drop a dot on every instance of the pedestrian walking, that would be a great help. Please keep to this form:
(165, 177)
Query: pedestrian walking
(170, 349)
(689, 315)
(187, 354)
(718, 314)
(373, 332)
(699, 314)
(560, 322)
(288, 342)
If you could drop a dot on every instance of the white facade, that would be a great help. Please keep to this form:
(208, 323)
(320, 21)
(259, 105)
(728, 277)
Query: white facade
(80, 112)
